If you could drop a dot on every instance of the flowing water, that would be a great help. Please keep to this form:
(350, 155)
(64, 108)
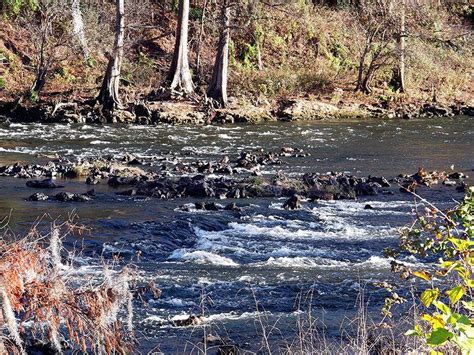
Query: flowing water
(225, 262)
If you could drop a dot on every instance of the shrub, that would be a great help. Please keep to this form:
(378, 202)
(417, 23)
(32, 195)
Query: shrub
(448, 299)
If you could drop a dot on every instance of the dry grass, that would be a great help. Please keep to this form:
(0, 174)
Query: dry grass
(41, 303)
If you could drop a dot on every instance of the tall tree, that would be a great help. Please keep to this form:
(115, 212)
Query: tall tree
(179, 74)
(199, 40)
(109, 93)
(48, 37)
(218, 86)
(376, 20)
(401, 45)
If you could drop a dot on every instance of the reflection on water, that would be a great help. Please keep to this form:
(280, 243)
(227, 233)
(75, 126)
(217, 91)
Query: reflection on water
(262, 251)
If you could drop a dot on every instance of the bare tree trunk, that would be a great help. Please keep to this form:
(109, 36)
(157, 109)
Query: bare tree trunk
(78, 27)
(109, 92)
(179, 74)
(259, 57)
(40, 81)
(42, 66)
(362, 64)
(218, 87)
(199, 43)
(402, 50)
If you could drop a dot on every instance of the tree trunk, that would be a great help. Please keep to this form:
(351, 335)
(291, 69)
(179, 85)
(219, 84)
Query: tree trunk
(259, 57)
(42, 66)
(179, 74)
(402, 50)
(40, 81)
(361, 65)
(218, 87)
(365, 87)
(199, 42)
(78, 27)
(109, 93)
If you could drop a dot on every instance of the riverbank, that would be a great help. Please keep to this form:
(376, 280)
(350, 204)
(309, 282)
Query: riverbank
(200, 113)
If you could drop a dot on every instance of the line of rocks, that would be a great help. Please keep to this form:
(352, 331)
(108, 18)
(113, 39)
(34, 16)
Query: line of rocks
(236, 179)
(63, 197)
(100, 168)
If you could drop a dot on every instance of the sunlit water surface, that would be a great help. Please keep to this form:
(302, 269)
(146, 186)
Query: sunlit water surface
(263, 254)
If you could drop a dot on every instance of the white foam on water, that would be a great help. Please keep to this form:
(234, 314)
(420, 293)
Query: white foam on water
(224, 136)
(201, 257)
(233, 316)
(246, 278)
(17, 125)
(374, 262)
(20, 150)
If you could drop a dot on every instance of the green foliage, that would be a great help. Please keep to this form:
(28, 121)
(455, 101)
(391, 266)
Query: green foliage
(195, 13)
(3, 58)
(2, 82)
(449, 317)
(14, 7)
(175, 6)
(259, 33)
(91, 62)
(33, 97)
(249, 54)
(145, 60)
(339, 56)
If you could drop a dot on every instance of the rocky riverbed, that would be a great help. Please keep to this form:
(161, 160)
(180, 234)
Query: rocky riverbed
(224, 179)
(317, 204)
(186, 112)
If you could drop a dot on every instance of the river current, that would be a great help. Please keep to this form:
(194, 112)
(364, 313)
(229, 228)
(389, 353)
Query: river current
(224, 263)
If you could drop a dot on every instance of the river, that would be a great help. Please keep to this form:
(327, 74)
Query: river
(223, 262)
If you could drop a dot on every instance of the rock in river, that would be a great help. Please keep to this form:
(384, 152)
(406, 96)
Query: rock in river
(43, 184)
(39, 196)
(293, 203)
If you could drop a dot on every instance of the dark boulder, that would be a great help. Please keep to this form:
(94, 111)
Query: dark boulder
(199, 188)
(457, 175)
(135, 161)
(382, 181)
(232, 207)
(43, 184)
(467, 110)
(367, 188)
(211, 206)
(293, 203)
